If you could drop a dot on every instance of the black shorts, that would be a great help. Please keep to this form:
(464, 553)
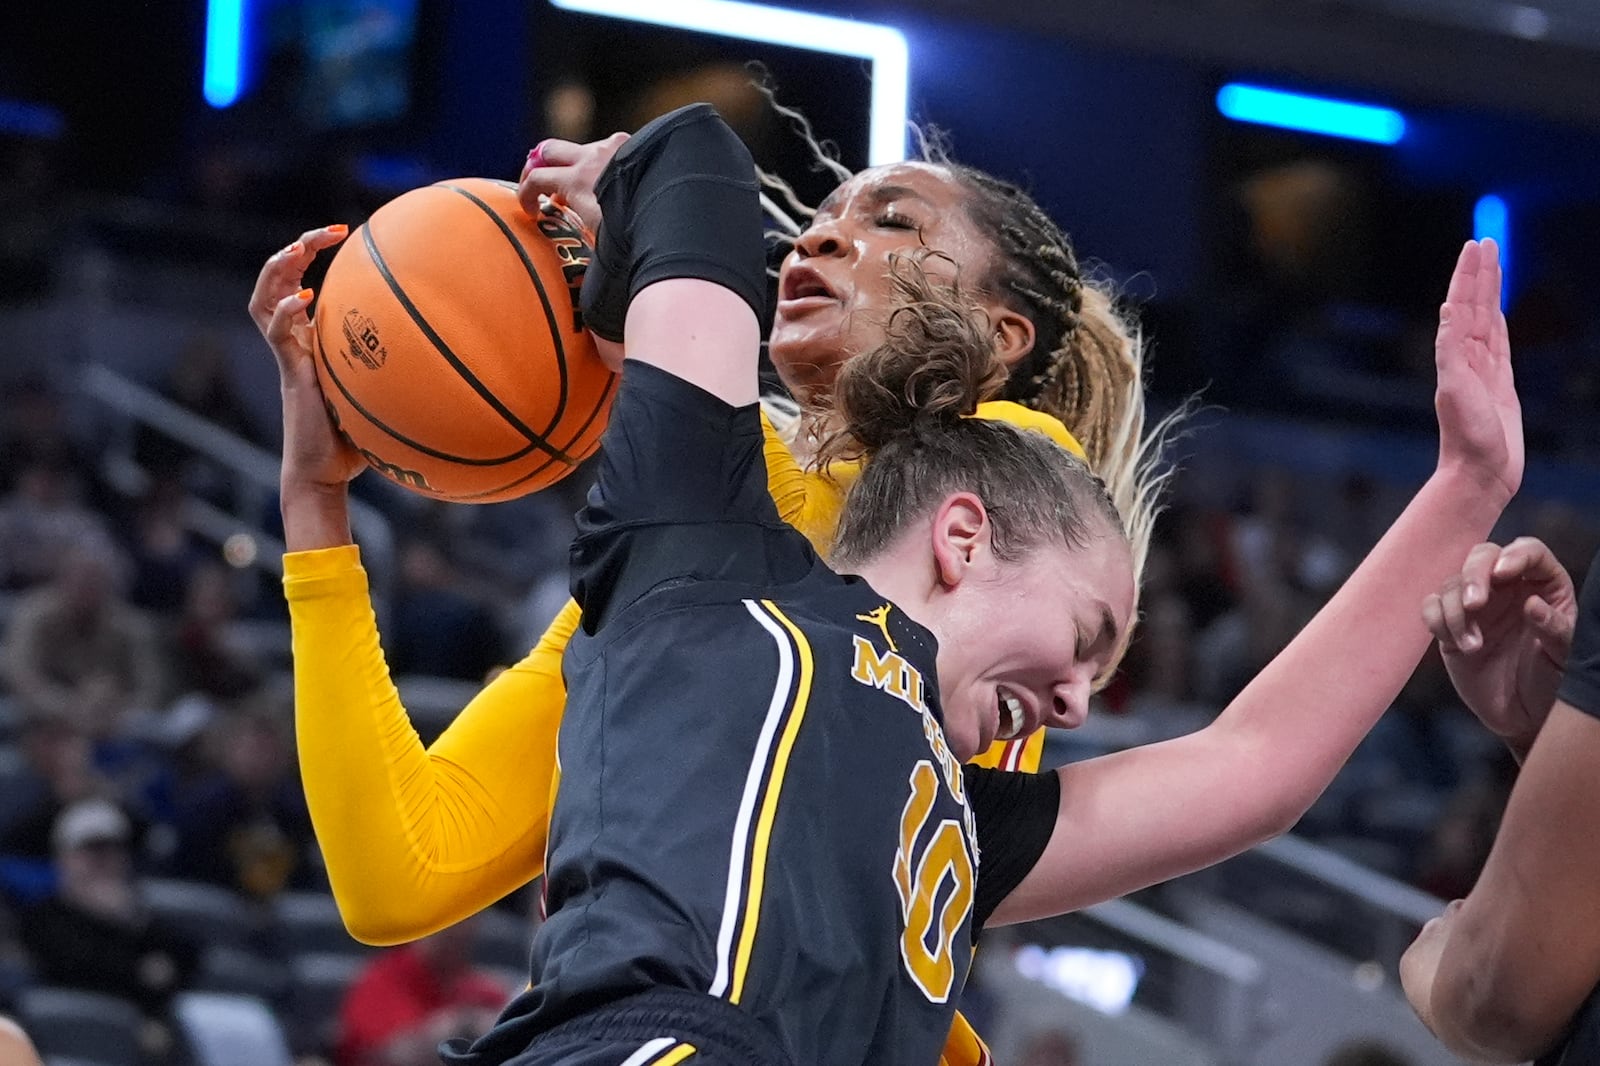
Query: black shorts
(662, 1027)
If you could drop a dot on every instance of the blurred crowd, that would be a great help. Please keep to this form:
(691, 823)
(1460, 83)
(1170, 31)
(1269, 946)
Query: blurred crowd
(1236, 572)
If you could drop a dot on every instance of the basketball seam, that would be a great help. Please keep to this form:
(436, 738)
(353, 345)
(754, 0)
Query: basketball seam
(535, 439)
(599, 406)
(434, 453)
(544, 300)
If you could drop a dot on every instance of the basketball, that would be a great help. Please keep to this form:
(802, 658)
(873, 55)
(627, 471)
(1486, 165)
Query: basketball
(450, 348)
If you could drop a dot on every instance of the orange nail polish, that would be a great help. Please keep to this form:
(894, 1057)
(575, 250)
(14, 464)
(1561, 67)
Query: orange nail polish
(338, 227)
(304, 296)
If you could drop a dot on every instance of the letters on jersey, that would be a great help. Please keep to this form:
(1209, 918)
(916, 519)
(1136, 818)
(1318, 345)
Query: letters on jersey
(926, 858)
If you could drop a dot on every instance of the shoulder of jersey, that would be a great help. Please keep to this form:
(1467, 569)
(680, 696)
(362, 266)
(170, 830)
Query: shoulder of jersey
(1028, 418)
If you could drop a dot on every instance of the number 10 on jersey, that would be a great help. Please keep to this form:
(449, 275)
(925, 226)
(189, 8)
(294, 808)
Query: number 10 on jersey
(926, 945)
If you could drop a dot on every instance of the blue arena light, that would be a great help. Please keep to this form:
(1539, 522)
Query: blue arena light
(885, 46)
(23, 119)
(1491, 217)
(224, 69)
(1311, 114)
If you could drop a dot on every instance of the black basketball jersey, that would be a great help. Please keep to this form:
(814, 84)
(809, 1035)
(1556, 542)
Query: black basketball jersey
(1581, 1045)
(756, 799)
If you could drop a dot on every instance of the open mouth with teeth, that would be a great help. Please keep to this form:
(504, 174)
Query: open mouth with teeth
(807, 288)
(1013, 719)
(804, 283)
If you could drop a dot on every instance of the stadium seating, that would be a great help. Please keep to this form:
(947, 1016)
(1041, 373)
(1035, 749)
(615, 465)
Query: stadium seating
(81, 1025)
(221, 1029)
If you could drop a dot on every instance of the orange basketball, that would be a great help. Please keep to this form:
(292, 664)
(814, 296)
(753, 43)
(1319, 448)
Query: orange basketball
(450, 348)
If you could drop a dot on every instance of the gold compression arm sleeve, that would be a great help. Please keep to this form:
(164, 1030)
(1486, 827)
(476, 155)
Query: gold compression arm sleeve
(415, 839)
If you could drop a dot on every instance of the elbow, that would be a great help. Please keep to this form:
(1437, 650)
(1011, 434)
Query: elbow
(1278, 805)
(388, 928)
(385, 919)
(1487, 1015)
(375, 930)
(1279, 817)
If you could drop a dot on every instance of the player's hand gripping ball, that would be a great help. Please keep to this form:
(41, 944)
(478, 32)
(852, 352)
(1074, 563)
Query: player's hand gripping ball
(450, 348)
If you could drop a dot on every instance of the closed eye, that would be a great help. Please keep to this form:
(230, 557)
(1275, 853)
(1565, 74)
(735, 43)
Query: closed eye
(893, 220)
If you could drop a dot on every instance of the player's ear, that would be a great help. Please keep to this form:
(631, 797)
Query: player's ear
(960, 536)
(1011, 332)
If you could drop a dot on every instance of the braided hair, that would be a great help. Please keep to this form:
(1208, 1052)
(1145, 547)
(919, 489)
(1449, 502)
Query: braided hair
(1087, 362)
(1086, 366)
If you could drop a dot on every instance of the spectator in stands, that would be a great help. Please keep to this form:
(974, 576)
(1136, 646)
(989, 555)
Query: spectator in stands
(33, 421)
(201, 381)
(1050, 1048)
(1161, 662)
(1203, 573)
(56, 773)
(15, 1047)
(411, 998)
(163, 551)
(1459, 844)
(437, 629)
(1366, 1053)
(92, 933)
(1237, 645)
(244, 825)
(41, 515)
(76, 647)
(202, 657)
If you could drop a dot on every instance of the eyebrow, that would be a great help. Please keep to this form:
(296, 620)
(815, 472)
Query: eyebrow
(884, 193)
(1108, 626)
(881, 195)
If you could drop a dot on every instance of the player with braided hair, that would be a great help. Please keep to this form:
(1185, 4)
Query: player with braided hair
(1085, 363)
(416, 838)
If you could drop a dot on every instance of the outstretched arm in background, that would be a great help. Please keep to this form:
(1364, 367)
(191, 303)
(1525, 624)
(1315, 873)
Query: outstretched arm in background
(1499, 976)
(1504, 627)
(1145, 815)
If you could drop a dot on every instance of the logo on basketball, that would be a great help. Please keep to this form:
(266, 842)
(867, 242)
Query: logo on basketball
(361, 341)
(573, 250)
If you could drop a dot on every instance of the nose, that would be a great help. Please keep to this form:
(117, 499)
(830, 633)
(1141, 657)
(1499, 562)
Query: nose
(1069, 704)
(821, 238)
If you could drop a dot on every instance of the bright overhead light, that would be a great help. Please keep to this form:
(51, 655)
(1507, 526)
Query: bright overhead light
(1311, 114)
(885, 46)
(224, 67)
(1491, 217)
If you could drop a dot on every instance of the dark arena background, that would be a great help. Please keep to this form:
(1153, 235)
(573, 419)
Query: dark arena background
(1276, 189)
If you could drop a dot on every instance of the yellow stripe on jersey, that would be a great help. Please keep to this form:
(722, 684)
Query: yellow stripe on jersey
(963, 1047)
(769, 805)
(662, 1051)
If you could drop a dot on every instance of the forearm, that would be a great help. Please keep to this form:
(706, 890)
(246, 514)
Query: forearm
(1522, 951)
(1312, 705)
